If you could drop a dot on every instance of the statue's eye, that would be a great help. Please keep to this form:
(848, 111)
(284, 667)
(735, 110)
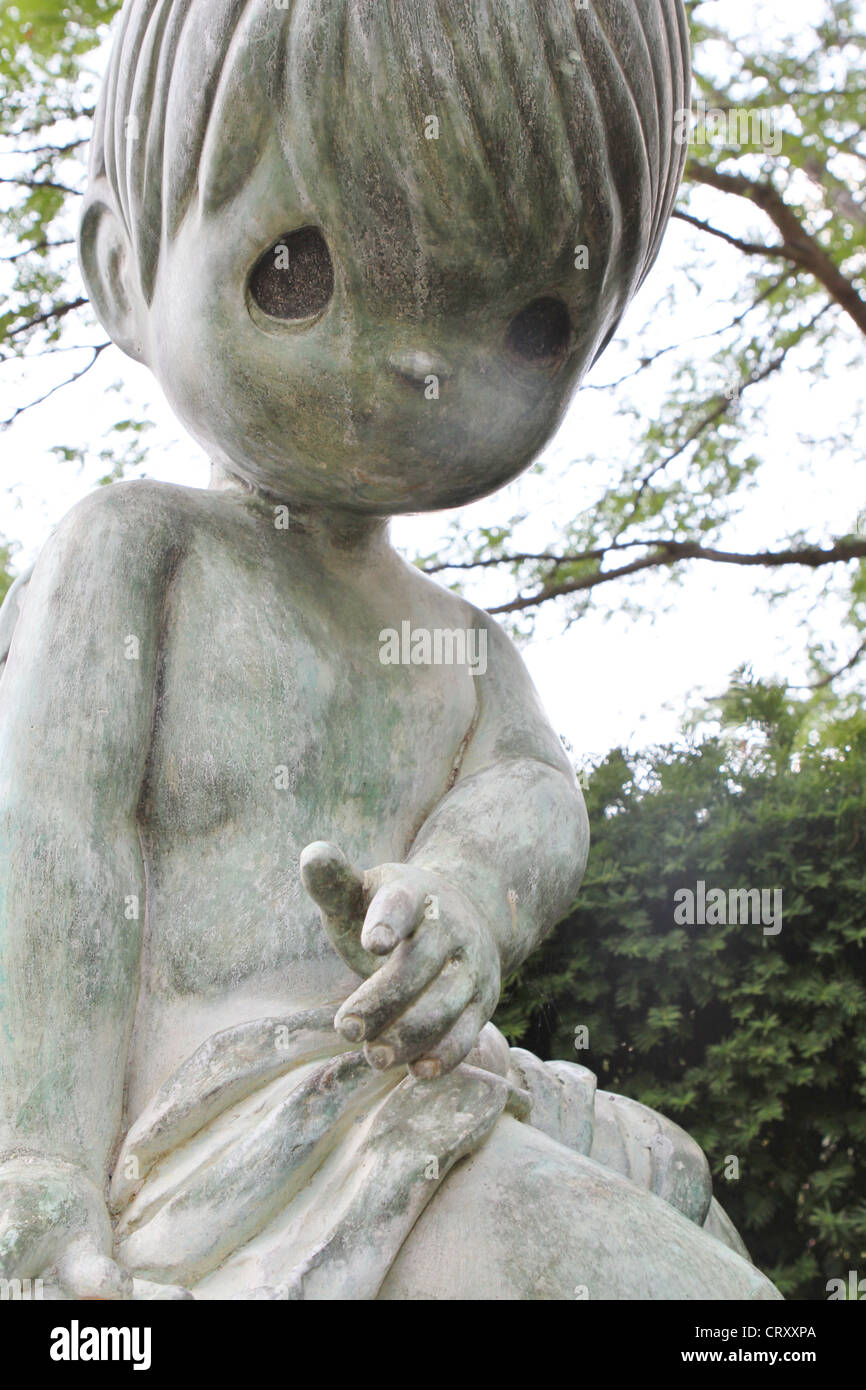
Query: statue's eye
(541, 332)
(294, 279)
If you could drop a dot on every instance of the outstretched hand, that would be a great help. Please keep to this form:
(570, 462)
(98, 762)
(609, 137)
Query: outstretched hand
(430, 958)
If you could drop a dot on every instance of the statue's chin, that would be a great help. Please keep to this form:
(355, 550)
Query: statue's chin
(366, 492)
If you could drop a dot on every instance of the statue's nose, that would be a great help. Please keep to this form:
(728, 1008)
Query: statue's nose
(418, 367)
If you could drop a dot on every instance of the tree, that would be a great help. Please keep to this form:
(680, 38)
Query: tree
(755, 1043)
(751, 1042)
(47, 95)
(791, 215)
(776, 180)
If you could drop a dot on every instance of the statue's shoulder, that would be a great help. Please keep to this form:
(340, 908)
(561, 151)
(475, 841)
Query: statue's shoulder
(107, 542)
(134, 513)
(121, 531)
(454, 608)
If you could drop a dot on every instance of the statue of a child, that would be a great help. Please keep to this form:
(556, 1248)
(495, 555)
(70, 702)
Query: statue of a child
(369, 248)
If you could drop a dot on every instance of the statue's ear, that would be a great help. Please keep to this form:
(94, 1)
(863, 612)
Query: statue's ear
(108, 266)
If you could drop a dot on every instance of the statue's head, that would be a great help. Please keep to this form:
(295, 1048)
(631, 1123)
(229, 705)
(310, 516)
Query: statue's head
(370, 247)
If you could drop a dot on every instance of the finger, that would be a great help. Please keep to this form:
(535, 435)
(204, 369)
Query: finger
(331, 882)
(18, 1257)
(395, 912)
(429, 1019)
(145, 1291)
(450, 1050)
(342, 899)
(410, 968)
(87, 1274)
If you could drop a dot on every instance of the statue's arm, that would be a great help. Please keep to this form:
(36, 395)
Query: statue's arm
(10, 612)
(77, 703)
(513, 831)
(496, 864)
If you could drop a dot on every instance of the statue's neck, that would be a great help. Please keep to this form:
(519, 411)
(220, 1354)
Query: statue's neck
(324, 528)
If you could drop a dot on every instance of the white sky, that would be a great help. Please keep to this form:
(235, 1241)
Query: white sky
(604, 681)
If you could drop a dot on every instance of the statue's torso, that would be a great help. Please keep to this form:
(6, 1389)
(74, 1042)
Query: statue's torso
(276, 725)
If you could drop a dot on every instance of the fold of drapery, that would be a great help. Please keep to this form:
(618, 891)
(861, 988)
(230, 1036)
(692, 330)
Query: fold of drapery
(275, 1163)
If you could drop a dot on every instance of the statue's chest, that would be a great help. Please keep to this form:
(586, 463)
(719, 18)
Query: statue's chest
(278, 708)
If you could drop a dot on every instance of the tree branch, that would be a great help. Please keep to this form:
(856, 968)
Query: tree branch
(716, 413)
(670, 552)
(58, 312)
(49, 149)
(37, 246)
(834, 675)
(36, 184)
(706, 421)
(798, 245)
(698, 337)
(749, 248)
(69, 113)
(96, 352)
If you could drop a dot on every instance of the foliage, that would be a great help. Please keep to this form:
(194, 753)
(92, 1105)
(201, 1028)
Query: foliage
(46, 105)
(6, 576)
(772, 265)
(695, 405)
(754, 1043)
(47, 96)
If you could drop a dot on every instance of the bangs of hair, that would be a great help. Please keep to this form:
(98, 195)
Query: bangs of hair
(556, 123)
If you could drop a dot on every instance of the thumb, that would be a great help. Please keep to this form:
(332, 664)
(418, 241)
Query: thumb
(84, 1272)
(342, 898)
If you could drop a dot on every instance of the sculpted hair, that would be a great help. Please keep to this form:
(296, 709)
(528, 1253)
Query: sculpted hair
(556, 122)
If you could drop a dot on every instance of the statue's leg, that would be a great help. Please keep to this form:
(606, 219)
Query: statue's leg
(526, 1218)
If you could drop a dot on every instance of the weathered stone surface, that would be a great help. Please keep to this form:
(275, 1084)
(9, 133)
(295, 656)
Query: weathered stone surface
(277, 812)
